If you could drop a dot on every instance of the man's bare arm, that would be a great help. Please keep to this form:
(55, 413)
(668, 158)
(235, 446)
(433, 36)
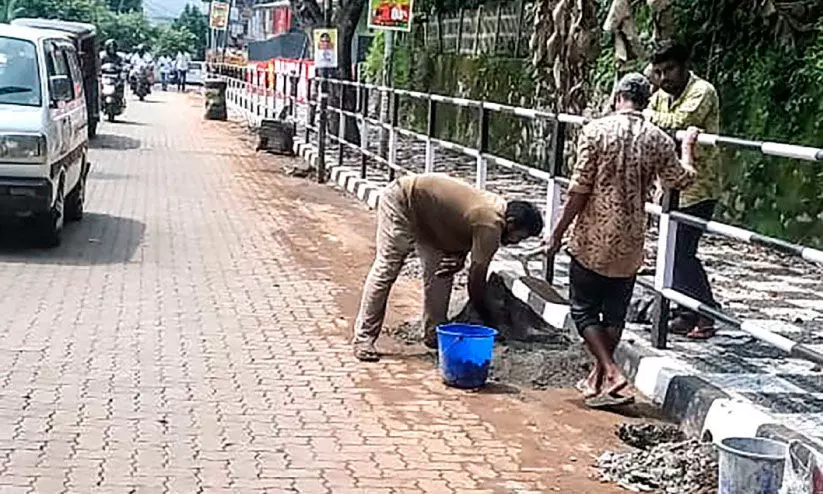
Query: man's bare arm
(575, 204)
(478, 273)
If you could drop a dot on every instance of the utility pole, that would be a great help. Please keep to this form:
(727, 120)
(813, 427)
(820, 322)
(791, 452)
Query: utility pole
(385, 100)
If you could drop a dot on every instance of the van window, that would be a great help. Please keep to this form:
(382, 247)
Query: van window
(19, 73)
(76, 73)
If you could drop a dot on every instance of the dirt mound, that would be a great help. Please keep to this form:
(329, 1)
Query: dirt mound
(667, 463)
(529, 351)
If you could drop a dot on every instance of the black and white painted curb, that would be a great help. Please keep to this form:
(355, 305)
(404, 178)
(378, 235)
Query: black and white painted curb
(708, 408)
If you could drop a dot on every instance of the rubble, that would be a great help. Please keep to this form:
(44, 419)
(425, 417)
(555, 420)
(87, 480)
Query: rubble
(665, 463)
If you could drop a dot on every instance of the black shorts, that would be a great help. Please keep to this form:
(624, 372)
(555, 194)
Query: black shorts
(596, 299)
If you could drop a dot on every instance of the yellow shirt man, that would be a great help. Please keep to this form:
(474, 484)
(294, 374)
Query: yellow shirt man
(697, 106)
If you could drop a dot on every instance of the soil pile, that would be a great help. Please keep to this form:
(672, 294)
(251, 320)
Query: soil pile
(665, 463)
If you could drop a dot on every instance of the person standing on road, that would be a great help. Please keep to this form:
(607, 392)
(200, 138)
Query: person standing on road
(685, 100)
(619, 158)
(182, 65)
(164, 65)
(445, 219)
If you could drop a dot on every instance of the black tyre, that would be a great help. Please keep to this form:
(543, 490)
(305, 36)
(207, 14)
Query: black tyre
(51, 226)
(111, 116)
(76, 200)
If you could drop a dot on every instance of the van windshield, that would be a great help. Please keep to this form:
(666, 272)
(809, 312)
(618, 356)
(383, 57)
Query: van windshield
(19, 77)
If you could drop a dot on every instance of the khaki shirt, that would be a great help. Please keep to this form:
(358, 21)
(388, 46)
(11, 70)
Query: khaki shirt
(699, 106)
(454, 217)
(619, 158)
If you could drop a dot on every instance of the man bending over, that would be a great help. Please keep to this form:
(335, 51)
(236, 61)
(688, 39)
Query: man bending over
(445, 219)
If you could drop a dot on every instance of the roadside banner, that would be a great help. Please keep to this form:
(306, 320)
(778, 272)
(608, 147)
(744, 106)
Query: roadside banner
(219, 18)
(325, 48)
(394, 15)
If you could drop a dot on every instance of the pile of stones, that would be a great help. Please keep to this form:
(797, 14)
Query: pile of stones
(664, 462)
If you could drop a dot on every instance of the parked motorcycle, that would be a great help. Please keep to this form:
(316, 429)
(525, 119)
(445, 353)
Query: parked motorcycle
(113, 91)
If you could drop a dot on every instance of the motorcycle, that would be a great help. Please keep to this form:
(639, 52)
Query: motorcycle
(113, 91)
(141, 82)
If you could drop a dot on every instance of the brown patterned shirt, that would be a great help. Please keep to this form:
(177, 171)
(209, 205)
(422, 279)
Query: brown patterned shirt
(619, 158)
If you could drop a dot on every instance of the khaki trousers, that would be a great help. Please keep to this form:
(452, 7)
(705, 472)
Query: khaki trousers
(395, 241)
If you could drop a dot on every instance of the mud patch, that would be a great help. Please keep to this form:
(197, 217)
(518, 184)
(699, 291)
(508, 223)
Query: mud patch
(529, 351)
(665, 462)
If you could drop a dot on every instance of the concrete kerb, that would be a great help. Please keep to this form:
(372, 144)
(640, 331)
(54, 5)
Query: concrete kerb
(701, 408)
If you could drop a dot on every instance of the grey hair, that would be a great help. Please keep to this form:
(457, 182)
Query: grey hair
(636, 88)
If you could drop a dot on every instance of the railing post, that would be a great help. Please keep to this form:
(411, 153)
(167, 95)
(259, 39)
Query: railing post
(293, 81)
(518, 30)
(395, 119)
(664, 271)
(554, 190)
(341, 124)
(321, 132)
(430, 131)
(482, 146)
(311, 107)
(364, 128)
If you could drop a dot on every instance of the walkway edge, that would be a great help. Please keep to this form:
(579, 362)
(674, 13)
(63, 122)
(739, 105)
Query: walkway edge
(701, 408)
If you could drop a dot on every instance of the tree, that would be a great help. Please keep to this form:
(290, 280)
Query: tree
(92, 11)
(169, 40)
(345, 18)
(129, 29)
(197, 24)
(122, 6)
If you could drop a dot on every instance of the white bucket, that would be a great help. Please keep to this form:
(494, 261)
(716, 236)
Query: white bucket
(751, 465)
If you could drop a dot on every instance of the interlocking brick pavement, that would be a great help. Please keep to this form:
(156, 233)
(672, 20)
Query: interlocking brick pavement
(172, 344)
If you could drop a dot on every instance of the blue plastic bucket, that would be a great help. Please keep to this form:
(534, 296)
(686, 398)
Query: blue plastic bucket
(465, 354)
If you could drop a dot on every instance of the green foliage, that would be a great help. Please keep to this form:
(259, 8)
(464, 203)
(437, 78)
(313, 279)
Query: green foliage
(121, 20)
(196, 23)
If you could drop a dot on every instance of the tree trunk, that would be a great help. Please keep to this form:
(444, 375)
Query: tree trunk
(346, 19)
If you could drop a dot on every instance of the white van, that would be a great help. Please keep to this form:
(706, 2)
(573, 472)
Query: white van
(43, 130)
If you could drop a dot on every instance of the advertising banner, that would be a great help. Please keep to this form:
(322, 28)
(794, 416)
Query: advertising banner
(390, 14)
(219, 18)
(325, 48)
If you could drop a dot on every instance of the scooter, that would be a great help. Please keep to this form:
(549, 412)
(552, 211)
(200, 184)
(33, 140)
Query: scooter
(112, 90)
(141, 82)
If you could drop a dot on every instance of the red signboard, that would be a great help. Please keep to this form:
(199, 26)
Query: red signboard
(282, 20)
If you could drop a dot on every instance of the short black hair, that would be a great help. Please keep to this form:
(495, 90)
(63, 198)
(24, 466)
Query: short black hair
(636, 88)
(525, 216)
(671, 51)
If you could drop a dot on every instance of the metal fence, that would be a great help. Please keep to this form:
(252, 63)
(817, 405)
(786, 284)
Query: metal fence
(258, 103)
(501, 30)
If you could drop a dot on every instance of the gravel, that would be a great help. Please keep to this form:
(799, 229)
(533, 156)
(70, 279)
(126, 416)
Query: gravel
(665, 463)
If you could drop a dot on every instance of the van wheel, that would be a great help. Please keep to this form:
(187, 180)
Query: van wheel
(75, 202)
(51, 227)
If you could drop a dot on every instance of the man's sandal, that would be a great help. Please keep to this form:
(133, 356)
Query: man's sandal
(366, 355)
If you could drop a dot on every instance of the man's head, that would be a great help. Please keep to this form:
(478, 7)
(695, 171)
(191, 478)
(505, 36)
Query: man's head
(632, 92)
(670, 66)
(523, 220)
(110, 46)
(141, 48)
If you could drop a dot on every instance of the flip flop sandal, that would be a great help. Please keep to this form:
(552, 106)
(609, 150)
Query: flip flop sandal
(609, 401)
(366, 355)
(702, 334)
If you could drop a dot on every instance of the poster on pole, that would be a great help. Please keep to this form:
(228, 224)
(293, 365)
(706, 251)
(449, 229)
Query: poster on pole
(394, 15)
(325, 48)
(219, 18)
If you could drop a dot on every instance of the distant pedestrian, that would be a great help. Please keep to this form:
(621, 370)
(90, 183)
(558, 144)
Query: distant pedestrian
(164, 65)
(445, 219)
(685, 100)
(619, 158)
(182, 65)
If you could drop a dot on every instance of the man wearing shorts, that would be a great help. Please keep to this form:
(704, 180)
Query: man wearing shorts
(445, 219)
(619, 158)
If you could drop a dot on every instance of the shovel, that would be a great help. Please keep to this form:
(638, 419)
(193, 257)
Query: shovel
(540, 286)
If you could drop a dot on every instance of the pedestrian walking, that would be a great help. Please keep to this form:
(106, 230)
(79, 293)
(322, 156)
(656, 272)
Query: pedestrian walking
(164, 65)
(619, 158)
(182, 65)
(445, 219)
(685, 100)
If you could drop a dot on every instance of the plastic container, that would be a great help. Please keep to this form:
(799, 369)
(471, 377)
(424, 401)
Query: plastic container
(751, 465)
(465, 354)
